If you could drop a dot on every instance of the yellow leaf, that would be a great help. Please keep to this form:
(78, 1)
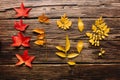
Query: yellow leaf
(97, 43)
(64, 22)
(107, 30)
(60, 54)
(94, 28)
(89, 34)
(41, 36)
(105, 34)
(102, 50)
(99, 54)
(91, 41)
(39, 42)
(67, 44)
(79, 46)
(72, 55)
(103, 37)
(40, 31)
(80, 25)
(43, 19)
(60, 48)
(71, 63)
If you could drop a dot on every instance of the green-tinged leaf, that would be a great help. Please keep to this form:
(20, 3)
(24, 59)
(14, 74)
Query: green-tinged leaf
(72, 55)
(80, 25)
(60, 48)
(60, 54)
(67, 43)
(71, 63)
(79, 46)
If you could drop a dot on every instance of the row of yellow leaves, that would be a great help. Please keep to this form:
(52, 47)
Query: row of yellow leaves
(63, 23)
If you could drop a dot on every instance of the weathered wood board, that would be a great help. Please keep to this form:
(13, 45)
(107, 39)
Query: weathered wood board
(47, 65)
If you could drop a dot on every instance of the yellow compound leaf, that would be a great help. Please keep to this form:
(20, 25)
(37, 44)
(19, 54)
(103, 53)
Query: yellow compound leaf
(39, 42)
(43, 19)
(79, 46)
(64, 22)
(80, 25)
(72, 55)
(99, 32)
(67, 47)
(71, 63)
(40, 31)
(60, 48)
(41, 36)
(60, 54)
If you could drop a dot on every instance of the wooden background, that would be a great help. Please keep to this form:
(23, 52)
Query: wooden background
(47, 65)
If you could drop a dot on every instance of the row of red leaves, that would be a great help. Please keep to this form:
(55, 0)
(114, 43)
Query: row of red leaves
(20, 39)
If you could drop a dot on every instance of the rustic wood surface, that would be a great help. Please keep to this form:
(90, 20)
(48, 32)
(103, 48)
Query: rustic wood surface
(47, 65)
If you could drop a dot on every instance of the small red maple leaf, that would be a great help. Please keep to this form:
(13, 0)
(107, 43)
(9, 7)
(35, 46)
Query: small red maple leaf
(20, 40)
(20, 25)
(25, 58)
(22, 11)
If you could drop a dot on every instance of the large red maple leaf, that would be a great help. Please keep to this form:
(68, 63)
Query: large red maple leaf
(22, 11)
(20, 40)
(25, 58)
(20, 25)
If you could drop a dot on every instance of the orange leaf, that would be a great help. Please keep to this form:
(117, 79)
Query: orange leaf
(41, 36)
(40, 31)
(43, 19)
(39, 42)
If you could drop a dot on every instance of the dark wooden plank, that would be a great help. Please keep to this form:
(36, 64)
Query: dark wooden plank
(34, 3)
(57, 11)
(61, 72)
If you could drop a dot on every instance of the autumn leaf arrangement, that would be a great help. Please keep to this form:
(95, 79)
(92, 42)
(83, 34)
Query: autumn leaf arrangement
(63, 52)
(21, 40)
(40, 41)
(99, 31)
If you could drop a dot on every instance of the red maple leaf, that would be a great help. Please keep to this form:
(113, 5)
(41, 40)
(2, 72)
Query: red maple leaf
(25, 58)
(20, 40)
(20, 25)
(22, 11)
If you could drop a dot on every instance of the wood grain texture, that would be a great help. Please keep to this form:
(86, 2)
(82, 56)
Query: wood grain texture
(61, 72)
(47, 65)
